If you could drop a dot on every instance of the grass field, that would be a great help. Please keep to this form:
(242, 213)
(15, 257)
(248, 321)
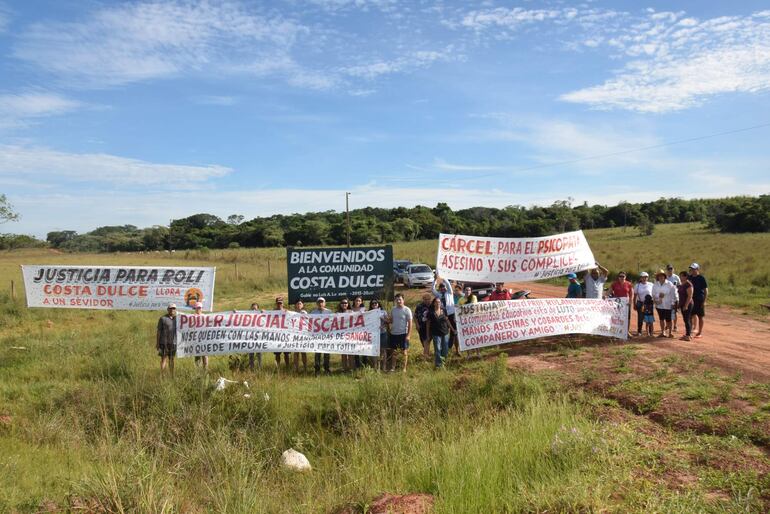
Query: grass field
(87, 424)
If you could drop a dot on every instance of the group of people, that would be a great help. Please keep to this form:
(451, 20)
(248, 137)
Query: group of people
(668, 294)
(434, 318)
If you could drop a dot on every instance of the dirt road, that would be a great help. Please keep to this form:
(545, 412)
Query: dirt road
(733, 342)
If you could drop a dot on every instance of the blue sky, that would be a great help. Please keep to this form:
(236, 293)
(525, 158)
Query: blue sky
(141, 112)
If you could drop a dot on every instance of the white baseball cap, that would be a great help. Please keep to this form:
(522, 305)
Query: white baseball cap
(694, 265)
(644, 274)
(171, 306)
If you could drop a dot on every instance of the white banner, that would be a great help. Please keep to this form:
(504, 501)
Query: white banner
(494, 259)
(492, 323)
(118, 287)
(278, 331)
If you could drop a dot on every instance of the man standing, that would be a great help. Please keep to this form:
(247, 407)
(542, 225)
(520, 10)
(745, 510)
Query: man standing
(279, 307)
(255, 307)
(674, 279)
(700, 293)
(573, 289)
(321, 309)
(200, 359)
(595, 280)
(165, 339)
(400, 329)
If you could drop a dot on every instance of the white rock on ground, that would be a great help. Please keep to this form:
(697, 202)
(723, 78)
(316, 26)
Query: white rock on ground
(293, 459)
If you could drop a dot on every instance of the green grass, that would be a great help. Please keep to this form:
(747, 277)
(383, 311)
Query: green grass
(88, 424)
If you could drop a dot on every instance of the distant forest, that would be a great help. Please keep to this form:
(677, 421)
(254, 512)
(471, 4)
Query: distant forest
(373, 225)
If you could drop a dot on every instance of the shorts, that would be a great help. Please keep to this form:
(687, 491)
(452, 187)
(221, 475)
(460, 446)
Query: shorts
(167, 350)
(649, 318)
(664, 314)
(698, 309)
(398, 342)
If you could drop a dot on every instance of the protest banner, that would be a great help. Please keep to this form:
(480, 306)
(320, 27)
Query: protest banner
(118, 287)
(494, 259)
(336, 273)
(351, 333)
(506, 321)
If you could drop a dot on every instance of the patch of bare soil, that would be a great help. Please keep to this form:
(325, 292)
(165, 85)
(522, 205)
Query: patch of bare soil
(386, 503)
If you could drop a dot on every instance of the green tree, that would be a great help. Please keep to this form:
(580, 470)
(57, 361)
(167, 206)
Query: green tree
(6, 210)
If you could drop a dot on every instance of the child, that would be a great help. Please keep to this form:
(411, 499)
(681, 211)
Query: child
(648, 309)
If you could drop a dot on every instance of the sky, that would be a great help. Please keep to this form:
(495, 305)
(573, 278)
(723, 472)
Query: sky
(140, 112)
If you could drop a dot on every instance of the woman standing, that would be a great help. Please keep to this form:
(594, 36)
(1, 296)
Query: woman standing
(358, 306)
(439, 329)
(685, 304)
(664, 294)
(299, 306)
(641, 290)
(279, 307)
(374, 305)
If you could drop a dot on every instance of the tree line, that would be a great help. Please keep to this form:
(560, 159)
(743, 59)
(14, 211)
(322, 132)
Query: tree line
(372, 225)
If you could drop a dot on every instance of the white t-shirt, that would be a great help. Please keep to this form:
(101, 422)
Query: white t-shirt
(594, 288)
(400, 318)
(642, 290)
(674, 279)
(669, 294)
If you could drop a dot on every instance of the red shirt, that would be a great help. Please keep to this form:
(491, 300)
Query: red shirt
(622, 289)
(498, 295)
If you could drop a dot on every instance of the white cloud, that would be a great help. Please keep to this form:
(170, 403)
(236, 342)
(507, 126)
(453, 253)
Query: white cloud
(17, 109)
(133, 42)
(40, 163)
(677, 63)
(408, 61)
(218, 100)
(441, 164)
(509, 19)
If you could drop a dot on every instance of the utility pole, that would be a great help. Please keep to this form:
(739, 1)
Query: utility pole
(347, 214)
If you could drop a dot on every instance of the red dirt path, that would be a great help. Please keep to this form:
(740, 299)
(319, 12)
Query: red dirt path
(733, 342)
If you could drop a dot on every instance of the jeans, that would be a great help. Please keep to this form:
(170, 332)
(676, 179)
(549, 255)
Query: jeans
(441, 349)
(639, 307)
(687, 317)
(317, 362)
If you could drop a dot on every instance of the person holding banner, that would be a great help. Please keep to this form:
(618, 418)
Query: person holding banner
(374, 304)
(595, 279)
(444, 293)
(400, 329)
(197, 308)
(347, 360)
(421, 315)
(321, 309)
(622, 288)
(279, 307)
(255, 307)
(299, 306)
(469, 297)
(439, 330)
(165, 339)
(358, 306)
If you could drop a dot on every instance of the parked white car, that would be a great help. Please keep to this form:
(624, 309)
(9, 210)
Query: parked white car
(418, 275)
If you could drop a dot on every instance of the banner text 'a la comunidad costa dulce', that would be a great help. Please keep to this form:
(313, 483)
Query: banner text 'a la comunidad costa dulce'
(491, 323)
(118, 287)
(351, 333)
(494, 259)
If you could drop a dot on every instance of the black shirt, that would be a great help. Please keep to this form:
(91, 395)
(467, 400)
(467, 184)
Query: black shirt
(439, 323)
(699, 287)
